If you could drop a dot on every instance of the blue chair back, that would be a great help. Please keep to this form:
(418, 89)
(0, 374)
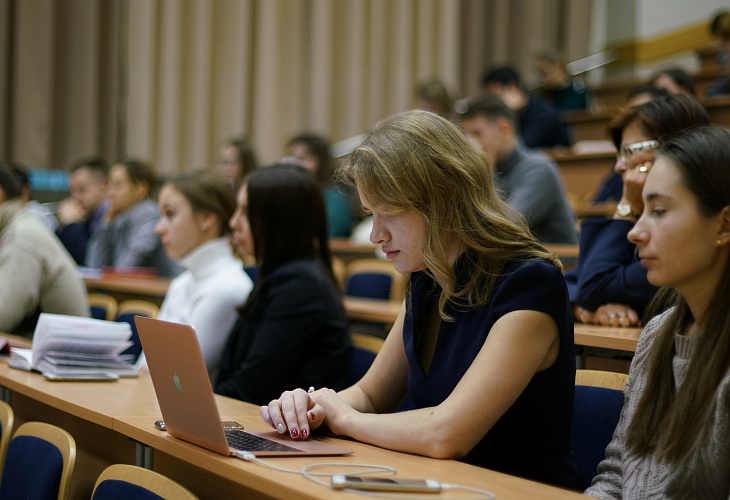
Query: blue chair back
(7, 420)
(98, 312)
(136, 348)
(115, 489)
(126, 313)
(596, 412)
(121, 482)
(360, 361)
(253, 272)
(369, 285)
(32, 469)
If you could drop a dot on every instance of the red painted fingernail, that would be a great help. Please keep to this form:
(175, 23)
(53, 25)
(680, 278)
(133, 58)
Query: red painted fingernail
(294, 432)
(304, 433)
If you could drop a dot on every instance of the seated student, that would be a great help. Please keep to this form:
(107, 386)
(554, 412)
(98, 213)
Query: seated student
(484, 341)
(313, 153)
(644, 93)
(432, 95)
(194, 212)
(674, 81)
(527, 180)
(673, 437)
(126, 236)
(292, 328)
(720, 29)
(236, 160)
(540, 125)
(36, 273)
(558, 87)
(609, 285)
(44, 212)
(80, 215)
(613, 185)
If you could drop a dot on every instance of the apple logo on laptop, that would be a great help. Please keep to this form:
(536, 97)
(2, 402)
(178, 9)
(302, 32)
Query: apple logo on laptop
(176, 379)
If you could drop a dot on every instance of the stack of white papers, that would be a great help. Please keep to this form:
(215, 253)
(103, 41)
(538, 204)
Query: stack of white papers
(73, 347)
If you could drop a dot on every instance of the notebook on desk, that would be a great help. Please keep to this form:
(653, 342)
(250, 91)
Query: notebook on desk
(187, 402)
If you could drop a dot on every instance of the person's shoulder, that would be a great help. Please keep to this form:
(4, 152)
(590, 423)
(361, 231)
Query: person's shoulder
(308, 271)
(534, 270)
(142, 211)
(301, 284)
(539, 159)
(530, 285)
(29, 228)
(543, 106)
(230, 274)
(648, 334)
(181, 280)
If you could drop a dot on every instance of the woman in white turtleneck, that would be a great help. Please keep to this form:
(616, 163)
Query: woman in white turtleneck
(193, 227)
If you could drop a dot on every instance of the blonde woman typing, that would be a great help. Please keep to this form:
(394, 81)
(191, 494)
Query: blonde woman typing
(484, 341)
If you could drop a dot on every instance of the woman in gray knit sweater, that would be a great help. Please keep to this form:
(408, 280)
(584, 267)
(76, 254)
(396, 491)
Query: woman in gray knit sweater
(673, 438)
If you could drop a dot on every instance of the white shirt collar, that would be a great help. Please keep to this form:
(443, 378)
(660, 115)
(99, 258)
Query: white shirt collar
(209, 257)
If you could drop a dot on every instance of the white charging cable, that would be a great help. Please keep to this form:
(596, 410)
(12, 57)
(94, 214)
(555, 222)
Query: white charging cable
(307, 472)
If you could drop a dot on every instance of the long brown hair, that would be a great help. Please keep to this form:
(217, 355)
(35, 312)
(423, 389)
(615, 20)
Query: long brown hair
(287, 217)
(669, 420)
(419, 161)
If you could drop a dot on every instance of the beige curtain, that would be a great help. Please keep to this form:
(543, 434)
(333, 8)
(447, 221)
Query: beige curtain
(168, 80)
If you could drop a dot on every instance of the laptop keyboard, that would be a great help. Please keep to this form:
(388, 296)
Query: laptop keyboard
(245, 441)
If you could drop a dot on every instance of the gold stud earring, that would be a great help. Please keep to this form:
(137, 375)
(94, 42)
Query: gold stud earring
(719, 242)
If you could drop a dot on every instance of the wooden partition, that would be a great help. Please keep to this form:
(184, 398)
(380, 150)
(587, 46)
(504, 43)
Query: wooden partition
(588, 126)
(583, 174)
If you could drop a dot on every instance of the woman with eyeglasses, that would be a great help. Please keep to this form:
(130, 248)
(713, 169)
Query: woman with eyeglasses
(609, 285)
(673, 437)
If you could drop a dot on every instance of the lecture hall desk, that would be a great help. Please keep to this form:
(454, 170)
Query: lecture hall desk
(108, 419)
(150, 289)
(381, 311)
(87, 410)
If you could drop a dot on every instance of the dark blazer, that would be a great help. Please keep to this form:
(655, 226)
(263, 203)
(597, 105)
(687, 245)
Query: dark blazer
(541, 126)
(75, 237)
(608, 269)
(293, 335)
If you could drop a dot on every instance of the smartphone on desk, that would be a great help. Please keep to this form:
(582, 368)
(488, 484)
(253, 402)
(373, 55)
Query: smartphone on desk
(340, 481)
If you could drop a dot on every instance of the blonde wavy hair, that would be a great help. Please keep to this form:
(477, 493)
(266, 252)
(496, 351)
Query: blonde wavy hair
(418, 161)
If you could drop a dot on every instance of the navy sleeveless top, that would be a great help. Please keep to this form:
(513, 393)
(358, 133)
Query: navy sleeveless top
(532, 439)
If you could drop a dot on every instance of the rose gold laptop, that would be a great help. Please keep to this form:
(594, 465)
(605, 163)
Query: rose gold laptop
(187, 403)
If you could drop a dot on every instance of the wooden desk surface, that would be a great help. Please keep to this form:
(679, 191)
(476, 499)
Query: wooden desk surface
(143, 286)
(128, 409)
(235, 475)
(97, 402)
(605, 209)
(563, 251)
(349, 251)
(380, 311)
(622, 339)
(345, 245)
